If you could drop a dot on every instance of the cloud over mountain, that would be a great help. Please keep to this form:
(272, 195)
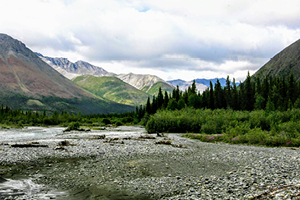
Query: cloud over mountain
(206, 39)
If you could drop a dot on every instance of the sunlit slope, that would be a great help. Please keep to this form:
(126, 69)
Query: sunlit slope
(112, 88)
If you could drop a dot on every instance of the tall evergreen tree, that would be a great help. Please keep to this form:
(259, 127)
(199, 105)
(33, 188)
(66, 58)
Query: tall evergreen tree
(292, 89)
(219, 96)
(249, 94)
(235, 96)
(265, 90)
(205, 99)
(242, 103)
(228, 94)
(166, 99)
(160, 99)
(211, 102)
(193, 89)
(148, 106)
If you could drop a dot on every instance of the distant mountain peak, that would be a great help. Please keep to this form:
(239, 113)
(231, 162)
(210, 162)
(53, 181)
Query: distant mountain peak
(72, 70)
(141, 81)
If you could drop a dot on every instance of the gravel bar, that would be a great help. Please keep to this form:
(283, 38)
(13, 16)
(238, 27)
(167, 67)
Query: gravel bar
(123, 165)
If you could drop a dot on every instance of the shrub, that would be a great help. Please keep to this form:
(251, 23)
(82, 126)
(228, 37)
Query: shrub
(73, 126)
(118, 123)
(209, 128)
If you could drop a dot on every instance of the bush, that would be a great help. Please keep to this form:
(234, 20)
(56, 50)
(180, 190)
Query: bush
(118, 123)
(73, 126)
(209, 128)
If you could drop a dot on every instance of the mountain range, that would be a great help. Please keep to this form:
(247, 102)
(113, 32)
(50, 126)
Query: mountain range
(146, 83)
(29, 83)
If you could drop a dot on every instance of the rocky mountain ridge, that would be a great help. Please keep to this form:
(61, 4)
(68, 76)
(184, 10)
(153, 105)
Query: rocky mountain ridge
(142, 82)
(71, 70)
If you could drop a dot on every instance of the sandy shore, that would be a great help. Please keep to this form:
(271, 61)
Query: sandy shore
(130, 167)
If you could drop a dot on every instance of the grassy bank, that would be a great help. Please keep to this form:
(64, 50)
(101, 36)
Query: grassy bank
(276, 128)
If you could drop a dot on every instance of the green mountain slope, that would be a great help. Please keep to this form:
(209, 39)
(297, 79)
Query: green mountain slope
(112, 88)
(28, 83)
(153, 89)
(283, 63)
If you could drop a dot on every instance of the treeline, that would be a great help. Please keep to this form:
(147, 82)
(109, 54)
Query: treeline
(19, 118)
(269, 94)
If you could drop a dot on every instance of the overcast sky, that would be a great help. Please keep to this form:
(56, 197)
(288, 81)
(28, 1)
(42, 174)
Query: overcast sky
(172, 39)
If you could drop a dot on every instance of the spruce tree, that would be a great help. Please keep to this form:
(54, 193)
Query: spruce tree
(219, 96)
(211, 102)
(166, 99)
(228, 95)
(292, 89)
(148, 106)
(235, 97)
(193, 88)
(160, 99)
(249, 95)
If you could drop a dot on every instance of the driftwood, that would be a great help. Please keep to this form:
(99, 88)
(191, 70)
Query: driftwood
(114, 141)
(146, 137)
(33, 144)
(98, 137)
(167, 142)
(179, 146)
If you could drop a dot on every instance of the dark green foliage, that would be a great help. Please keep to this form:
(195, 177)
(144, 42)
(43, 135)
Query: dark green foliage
(181, 104)
(106, 121)
(172, 105)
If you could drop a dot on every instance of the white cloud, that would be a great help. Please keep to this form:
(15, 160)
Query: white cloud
(171, 39)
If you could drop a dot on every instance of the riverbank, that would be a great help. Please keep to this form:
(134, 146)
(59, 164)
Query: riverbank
(90, 166)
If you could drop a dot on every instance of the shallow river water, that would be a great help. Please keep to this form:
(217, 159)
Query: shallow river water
(21, 187)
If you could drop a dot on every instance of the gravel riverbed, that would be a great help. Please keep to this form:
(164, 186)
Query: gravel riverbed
(87, 166)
